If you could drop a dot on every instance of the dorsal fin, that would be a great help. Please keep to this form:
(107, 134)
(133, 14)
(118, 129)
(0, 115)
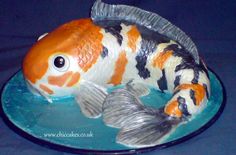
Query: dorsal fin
(102, 11)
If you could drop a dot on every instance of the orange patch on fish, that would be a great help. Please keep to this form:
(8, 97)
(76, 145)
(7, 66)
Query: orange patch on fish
(119, 69)
(30, 71)
(159, 61)
(199, 90)
(133, 36)
(89, 46)
(79, 38)
(74, 79)
(59, 80)
(172, 109)
(46, 89)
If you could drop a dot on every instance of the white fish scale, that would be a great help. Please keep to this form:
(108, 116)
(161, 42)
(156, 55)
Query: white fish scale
(104, 65)
(187, 76)
(130, 71)
(169, 66)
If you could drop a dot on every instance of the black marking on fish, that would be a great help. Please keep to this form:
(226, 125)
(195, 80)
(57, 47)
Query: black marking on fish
(115, 31)
(104, 52)
(176, 92)
(183, 106)
(204, 68)
(162, 82)
(206, 89)
(192, 95)
(187, 62)
(143, 72)
(145, 32)
(180, 52)
(147, 47)
(149, 43)
(151, 35)
(177, 80)
(196, 76)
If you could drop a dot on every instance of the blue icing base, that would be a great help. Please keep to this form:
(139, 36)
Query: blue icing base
(64, 124)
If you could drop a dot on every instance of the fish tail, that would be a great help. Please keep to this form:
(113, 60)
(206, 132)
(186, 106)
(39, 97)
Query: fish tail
(142, 126)
(147, 128)
(139, 125)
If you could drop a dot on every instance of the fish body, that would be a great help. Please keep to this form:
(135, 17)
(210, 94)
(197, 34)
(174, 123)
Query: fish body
(83, 57)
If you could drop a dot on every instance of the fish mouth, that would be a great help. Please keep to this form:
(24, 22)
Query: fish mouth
(37, 92)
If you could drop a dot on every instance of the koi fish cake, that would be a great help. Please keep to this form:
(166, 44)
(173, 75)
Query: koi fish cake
(121, 45)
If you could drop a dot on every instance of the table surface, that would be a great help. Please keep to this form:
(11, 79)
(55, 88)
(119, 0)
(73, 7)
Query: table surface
(211, 24)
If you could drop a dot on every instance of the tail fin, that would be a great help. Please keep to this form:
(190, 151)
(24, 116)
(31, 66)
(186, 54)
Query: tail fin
(140, 125)
(148, 133)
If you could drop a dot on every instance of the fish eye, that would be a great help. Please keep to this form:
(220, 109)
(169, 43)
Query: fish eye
(61, 63)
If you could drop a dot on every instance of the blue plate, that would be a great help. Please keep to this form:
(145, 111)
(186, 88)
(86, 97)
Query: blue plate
(61, 125)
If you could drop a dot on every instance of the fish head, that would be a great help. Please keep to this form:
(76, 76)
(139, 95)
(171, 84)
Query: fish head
(52, 67)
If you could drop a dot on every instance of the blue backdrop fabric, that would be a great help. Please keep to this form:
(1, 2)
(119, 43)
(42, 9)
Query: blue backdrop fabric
(211, 24)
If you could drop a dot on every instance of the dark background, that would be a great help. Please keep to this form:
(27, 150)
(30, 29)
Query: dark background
(210, 23)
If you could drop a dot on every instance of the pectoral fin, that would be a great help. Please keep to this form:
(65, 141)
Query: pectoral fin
(137, 88)
(119, 106)
(90, 98)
